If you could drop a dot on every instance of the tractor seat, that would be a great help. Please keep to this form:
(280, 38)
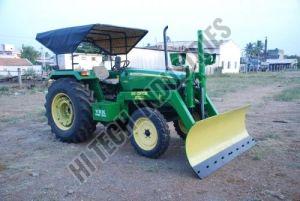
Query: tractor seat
(111, 81)
(102, 74)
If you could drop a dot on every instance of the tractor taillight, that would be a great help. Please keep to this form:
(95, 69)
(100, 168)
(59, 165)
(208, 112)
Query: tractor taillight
(85, 73)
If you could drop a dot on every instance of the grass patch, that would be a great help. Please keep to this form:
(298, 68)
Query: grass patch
(152, 168)
(9, 119)
(219, 85)
(257, 153)
(295, 165)
(33, 90)
(4, 90)
(2, 167)
(36, 89)
(289, 94)
(257, 157)
(14, 89)
(273, 136)
(37, 116)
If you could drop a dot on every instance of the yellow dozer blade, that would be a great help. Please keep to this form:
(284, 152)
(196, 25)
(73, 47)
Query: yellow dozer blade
(213, 142)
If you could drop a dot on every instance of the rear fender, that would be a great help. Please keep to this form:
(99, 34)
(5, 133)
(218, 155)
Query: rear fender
(90, 79)
(56, 74)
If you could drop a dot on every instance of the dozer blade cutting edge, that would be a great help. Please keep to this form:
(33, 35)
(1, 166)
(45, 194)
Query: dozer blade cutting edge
(213, 142)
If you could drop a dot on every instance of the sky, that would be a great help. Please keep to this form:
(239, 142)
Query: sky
(248, 20)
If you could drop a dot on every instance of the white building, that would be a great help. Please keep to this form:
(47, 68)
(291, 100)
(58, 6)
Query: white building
(9, 66)
(146, 58)
(229, 57)
(227, 54)
(9, 51)
(280, 64)
(80, 60)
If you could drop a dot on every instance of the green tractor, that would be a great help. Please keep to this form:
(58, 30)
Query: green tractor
(141, 101)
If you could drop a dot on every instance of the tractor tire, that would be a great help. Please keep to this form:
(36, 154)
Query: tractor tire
(180, 128)
(149, 132)
(69, 111)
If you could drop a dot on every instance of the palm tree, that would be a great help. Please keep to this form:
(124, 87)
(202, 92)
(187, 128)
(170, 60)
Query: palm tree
(249, 50)
(258, 48)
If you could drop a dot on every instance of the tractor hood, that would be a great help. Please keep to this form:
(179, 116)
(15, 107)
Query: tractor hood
(161, 74)
(133, 79)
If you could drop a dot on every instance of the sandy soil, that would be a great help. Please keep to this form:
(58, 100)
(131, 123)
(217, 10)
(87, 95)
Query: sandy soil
(33, 164)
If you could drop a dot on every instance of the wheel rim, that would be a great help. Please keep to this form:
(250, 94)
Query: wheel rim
(145, 133)
(62, 111)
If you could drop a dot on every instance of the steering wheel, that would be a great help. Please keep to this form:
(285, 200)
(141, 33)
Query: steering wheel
(121, 67)
(125, 63)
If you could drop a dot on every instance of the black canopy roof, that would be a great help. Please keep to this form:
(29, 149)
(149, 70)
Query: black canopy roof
(113, 40)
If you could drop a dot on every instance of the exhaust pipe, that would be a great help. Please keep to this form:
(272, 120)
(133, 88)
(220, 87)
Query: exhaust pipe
(165, 48)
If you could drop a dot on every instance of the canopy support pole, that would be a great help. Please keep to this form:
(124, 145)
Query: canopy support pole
(72, 56)
(56, 58)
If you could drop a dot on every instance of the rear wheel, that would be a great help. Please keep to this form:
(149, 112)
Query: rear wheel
(68, 109)
(149, 132)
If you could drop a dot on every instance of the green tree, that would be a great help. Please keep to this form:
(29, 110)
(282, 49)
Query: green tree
(258, 48)
(249, 50)
(85, 47)
(47, 55)
(254, 49)
(30, 53)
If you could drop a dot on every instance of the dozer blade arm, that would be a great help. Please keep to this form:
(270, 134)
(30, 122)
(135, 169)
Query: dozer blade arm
(213, 142)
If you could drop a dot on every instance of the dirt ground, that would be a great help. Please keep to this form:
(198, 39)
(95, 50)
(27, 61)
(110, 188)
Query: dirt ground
(33, 164)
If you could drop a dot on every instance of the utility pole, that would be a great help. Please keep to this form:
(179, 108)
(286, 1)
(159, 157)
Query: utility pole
(266, 48)
(43, 59)
(20, 77)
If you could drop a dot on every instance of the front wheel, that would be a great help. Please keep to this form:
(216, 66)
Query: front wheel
(149, 132)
